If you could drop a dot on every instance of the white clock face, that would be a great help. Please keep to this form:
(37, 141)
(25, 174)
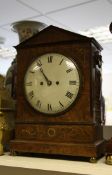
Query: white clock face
(52, 83)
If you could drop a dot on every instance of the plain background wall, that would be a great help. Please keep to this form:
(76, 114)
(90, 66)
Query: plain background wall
(107, 131)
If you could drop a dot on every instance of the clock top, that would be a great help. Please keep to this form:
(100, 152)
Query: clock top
(52, 34)
(53, 40)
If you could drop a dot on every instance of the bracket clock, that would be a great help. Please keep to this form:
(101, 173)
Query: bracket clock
(59, 95)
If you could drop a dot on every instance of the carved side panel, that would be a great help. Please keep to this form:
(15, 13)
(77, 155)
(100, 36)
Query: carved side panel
(98, 100)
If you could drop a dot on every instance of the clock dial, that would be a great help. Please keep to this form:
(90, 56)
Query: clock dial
(52, 83)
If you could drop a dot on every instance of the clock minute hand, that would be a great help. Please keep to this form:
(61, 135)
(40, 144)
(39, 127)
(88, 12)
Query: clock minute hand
(47, 80)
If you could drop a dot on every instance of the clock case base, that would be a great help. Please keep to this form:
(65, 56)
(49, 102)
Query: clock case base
(69, 149)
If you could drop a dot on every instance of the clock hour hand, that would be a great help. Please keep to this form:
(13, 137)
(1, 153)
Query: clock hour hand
(47, 80)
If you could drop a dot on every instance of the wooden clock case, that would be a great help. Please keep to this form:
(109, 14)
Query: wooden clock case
(78, 131)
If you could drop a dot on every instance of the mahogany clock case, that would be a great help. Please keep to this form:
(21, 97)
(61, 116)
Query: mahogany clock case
(78, 131)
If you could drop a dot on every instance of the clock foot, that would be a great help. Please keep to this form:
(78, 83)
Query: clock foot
(13, 153)
(93, 160)
(109, 159)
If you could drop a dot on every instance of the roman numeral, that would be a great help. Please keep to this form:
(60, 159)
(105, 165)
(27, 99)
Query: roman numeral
(29, 84)
(49, 107)
(32, 72)
(38, 104)
(50, 58)
(72, 82)
(61, 62)
(61, 104)
(69, 70)
(31, 94)
(69, 94)
(39, 63)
